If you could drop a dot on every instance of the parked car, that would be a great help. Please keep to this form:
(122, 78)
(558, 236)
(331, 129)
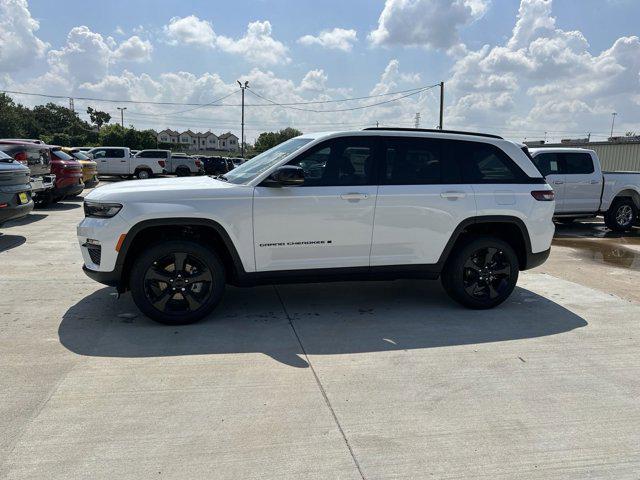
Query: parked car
(215, 166)
(180, 165)
(118, 161)
(83, 150)
(471, 209)
(36, 157)
(15, 189)
(89, 167)
(583, 190)
(68, 172)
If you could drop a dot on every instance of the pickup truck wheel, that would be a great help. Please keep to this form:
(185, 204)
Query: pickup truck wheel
(177, 282)
(183, 172)
(481, 273)
(622, 215)
(143, 174)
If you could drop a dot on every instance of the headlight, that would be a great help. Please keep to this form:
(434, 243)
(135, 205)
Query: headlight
(101, 210)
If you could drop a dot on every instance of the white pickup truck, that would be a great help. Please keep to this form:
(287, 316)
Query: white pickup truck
(583, 190)
(118, 161)
(177, 163)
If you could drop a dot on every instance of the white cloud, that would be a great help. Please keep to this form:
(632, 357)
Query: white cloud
(19, 45)
(425, 23)
(134, 49)
(189, 31)
(314, 81)
(544, 78)
(338, 39)
(392, 77)
(257, 46)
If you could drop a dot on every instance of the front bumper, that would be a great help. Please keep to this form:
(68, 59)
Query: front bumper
(68, 190)
(111, 279)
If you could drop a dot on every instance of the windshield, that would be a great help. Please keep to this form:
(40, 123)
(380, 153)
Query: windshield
(60, 155)
(263, 162)
(80, 156)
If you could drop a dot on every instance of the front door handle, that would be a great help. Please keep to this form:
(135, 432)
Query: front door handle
(594, 182)
(558, 182)
(453, 195)
(354, 196)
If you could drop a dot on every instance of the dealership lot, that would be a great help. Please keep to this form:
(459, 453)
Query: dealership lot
(344, 380)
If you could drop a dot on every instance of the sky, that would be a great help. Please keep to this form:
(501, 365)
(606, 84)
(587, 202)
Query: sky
(528, 69)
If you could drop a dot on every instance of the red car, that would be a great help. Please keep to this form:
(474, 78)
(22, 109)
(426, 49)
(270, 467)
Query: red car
(68, 172)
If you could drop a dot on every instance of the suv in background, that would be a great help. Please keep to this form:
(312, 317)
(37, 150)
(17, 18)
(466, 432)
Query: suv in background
(469, 208)
(15, 196)
(36, 157)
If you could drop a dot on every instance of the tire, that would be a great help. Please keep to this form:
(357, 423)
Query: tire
(143, 174)
(182, 172)
(465, 279)
(154, 272)
(622, 215)
(43, 200)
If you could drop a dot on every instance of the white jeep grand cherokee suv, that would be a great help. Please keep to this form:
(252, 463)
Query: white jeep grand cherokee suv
(469, 208)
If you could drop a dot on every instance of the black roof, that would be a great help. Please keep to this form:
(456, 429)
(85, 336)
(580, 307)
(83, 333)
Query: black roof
(433, 130)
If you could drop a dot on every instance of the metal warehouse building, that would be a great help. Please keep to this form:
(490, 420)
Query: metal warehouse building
(622, 155)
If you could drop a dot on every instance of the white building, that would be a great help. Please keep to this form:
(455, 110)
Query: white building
(195, 141)
(228, 141)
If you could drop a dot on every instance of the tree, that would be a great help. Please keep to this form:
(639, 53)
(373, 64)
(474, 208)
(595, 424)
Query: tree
(98, 118)
(267, 140)
(11, 124)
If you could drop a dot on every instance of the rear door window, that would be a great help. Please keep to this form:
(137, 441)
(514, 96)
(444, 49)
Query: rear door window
(485, 163)
(578, 163)
(548, 164)
(412, 161)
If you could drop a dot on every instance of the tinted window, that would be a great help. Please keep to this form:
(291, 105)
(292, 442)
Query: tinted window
(578, 163)
(341, 161)
(99, 153)
(115, 153)
(548, 163)
(411, 161)
(60, 155)
(485, 163)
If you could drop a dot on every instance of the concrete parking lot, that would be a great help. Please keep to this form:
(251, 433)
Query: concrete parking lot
(335, 381)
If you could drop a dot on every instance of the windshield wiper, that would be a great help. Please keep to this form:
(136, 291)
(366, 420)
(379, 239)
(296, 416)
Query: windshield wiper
(221, 177)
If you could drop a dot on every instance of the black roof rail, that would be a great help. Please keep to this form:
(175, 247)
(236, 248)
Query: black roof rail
(434, 130)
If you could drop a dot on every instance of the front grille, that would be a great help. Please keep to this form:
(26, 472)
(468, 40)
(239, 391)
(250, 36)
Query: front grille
(95, 252)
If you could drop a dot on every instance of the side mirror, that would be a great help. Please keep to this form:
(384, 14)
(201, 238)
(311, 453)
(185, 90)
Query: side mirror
(285, 176)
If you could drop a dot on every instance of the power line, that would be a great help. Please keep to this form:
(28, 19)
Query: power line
(350, 109)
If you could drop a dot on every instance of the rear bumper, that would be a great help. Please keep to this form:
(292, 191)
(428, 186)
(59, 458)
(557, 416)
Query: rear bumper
(14, 212)
(536, 259)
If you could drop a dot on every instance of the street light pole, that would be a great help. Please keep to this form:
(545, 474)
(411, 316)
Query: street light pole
(122, 109)
(243, 87)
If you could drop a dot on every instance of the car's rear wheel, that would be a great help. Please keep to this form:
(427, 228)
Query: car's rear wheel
(182, 172)
(143, 174)
(177, 282)
(622, 215)
(481, 273)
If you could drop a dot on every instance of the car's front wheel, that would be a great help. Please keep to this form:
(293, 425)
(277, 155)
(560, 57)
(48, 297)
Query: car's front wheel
(481, 273)
(177, 282)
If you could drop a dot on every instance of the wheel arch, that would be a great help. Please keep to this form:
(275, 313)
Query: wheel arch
(628, 192)
(508, 228)
(154, 230)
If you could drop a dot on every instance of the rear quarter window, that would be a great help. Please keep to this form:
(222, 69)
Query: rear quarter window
(578, 163)
(484, 163)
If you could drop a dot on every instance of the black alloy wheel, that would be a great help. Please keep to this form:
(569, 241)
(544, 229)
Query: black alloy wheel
(177, 282)
(481, 272)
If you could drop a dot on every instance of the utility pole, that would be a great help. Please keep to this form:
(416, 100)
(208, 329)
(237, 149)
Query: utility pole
(122, 109)
(243, 87)
(377, 124)
(613, 122)
(441, 105)
(417, 120)
(71, 106)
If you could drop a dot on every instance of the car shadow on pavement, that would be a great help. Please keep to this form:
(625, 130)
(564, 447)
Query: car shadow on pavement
(329, 319)
(7, 242)
(591, 229)
(31, 218)
(59, 206)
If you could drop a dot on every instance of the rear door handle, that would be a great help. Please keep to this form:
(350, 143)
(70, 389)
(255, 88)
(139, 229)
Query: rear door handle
(594, 182)
(558, 182)
(354, 196)
(453, 195)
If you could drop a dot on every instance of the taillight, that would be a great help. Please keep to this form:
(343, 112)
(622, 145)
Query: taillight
(543, 195)
(161, 163)
(198, 163)
(21, 157)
